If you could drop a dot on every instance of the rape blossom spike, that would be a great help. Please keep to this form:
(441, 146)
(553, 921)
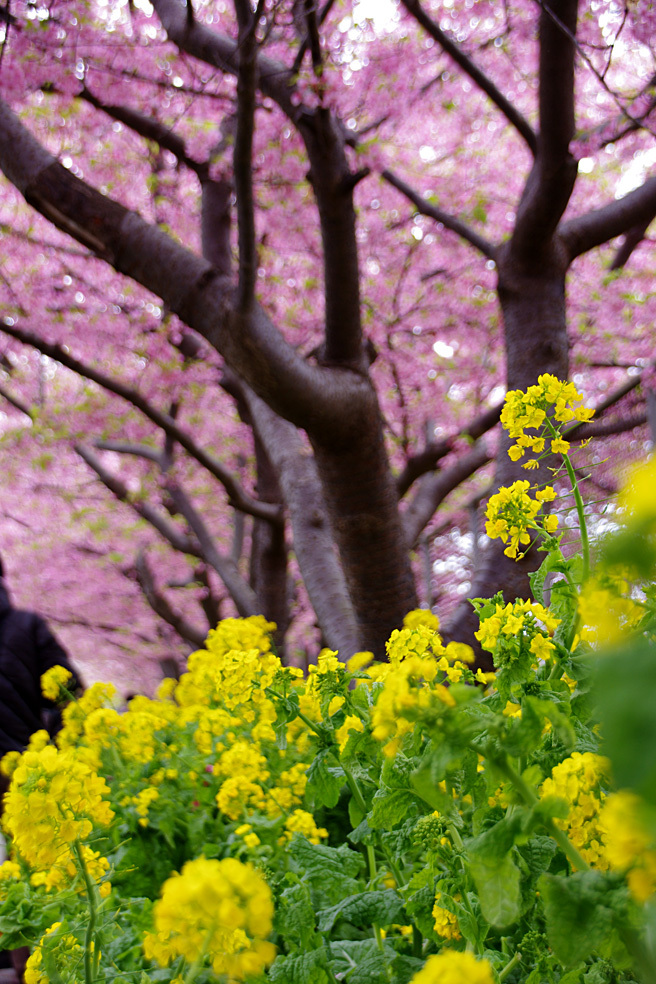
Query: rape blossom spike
(511, 513)
(551, 400)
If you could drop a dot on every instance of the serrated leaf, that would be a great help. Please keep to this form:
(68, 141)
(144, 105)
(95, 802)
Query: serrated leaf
(330, 871)
(360, 961)
(497, 882)
(405, 968)
(325, 779)
(391, 807)
(578, 922)
(296, 918)
(364, 909)
(310, 967)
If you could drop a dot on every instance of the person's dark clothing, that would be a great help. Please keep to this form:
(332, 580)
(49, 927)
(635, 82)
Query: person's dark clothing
(27, 649)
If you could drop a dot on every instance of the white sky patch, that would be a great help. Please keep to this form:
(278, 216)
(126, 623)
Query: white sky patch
(636, 172)
(586, 165)
(383, 13)
(444, 350)
(496, 394)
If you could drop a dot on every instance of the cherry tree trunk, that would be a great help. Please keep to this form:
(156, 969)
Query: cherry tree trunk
(362, 504)
(532, 300)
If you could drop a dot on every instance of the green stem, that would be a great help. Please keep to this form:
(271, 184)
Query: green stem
(510, 965)
(585, 546)
(91, 951)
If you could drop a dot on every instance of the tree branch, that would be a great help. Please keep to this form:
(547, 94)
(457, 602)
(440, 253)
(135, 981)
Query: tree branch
(168, 530)
(312, 536)
(333, 183)
(585, 232)
(477, 76)
(161, 606)
(308, 41)
(147, 127)
(328, 399)
(243, 153)
(215, 224)
(14, 400)
(238, 497)
(427, 460)
(551, 181)
(274, 79)
(433, 489)
(330, 176)
(610, 427)
(240, 592)
(138, 450)
(631, 241)
(448, 221)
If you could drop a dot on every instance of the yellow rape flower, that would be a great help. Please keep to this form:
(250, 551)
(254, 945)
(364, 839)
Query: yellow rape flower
(421, 616)
(577, 780)
(445, 923)
(513, 626)
(54, 681)
(550, 399)
(626, 843)
(408, 690)
(512, 512)
(302, 822)
(454, 967)
(607, 611)
(237, 794)
(54, 799)
(351, 723)
(219, 910)
(241, 634)
(636, 499)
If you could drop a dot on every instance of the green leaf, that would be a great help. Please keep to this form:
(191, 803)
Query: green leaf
(325, 779)
(549, 710)
(537, 853)
(626, 684)
(391, 807)
(310, 967)
(295, 917)
(365, 909)
(425, 782)
(564, 605)
(497, 882)
(330, 871)
(405, 968)
(360, 961)
(578, 922)
(419, 908)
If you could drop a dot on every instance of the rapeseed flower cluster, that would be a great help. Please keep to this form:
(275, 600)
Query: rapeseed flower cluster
(636, 499)
(514, 629)
(454, 967)
(543, 407)
(416, 678)
(578, 781)
(302, 822)
(606, 609)
(64, 949)
(221, 911)
(445, 923)
(511, 513)
(627, 844)
(54, 683)
(54, 800)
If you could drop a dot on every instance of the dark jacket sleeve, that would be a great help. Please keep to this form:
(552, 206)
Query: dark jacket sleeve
(51, 653)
